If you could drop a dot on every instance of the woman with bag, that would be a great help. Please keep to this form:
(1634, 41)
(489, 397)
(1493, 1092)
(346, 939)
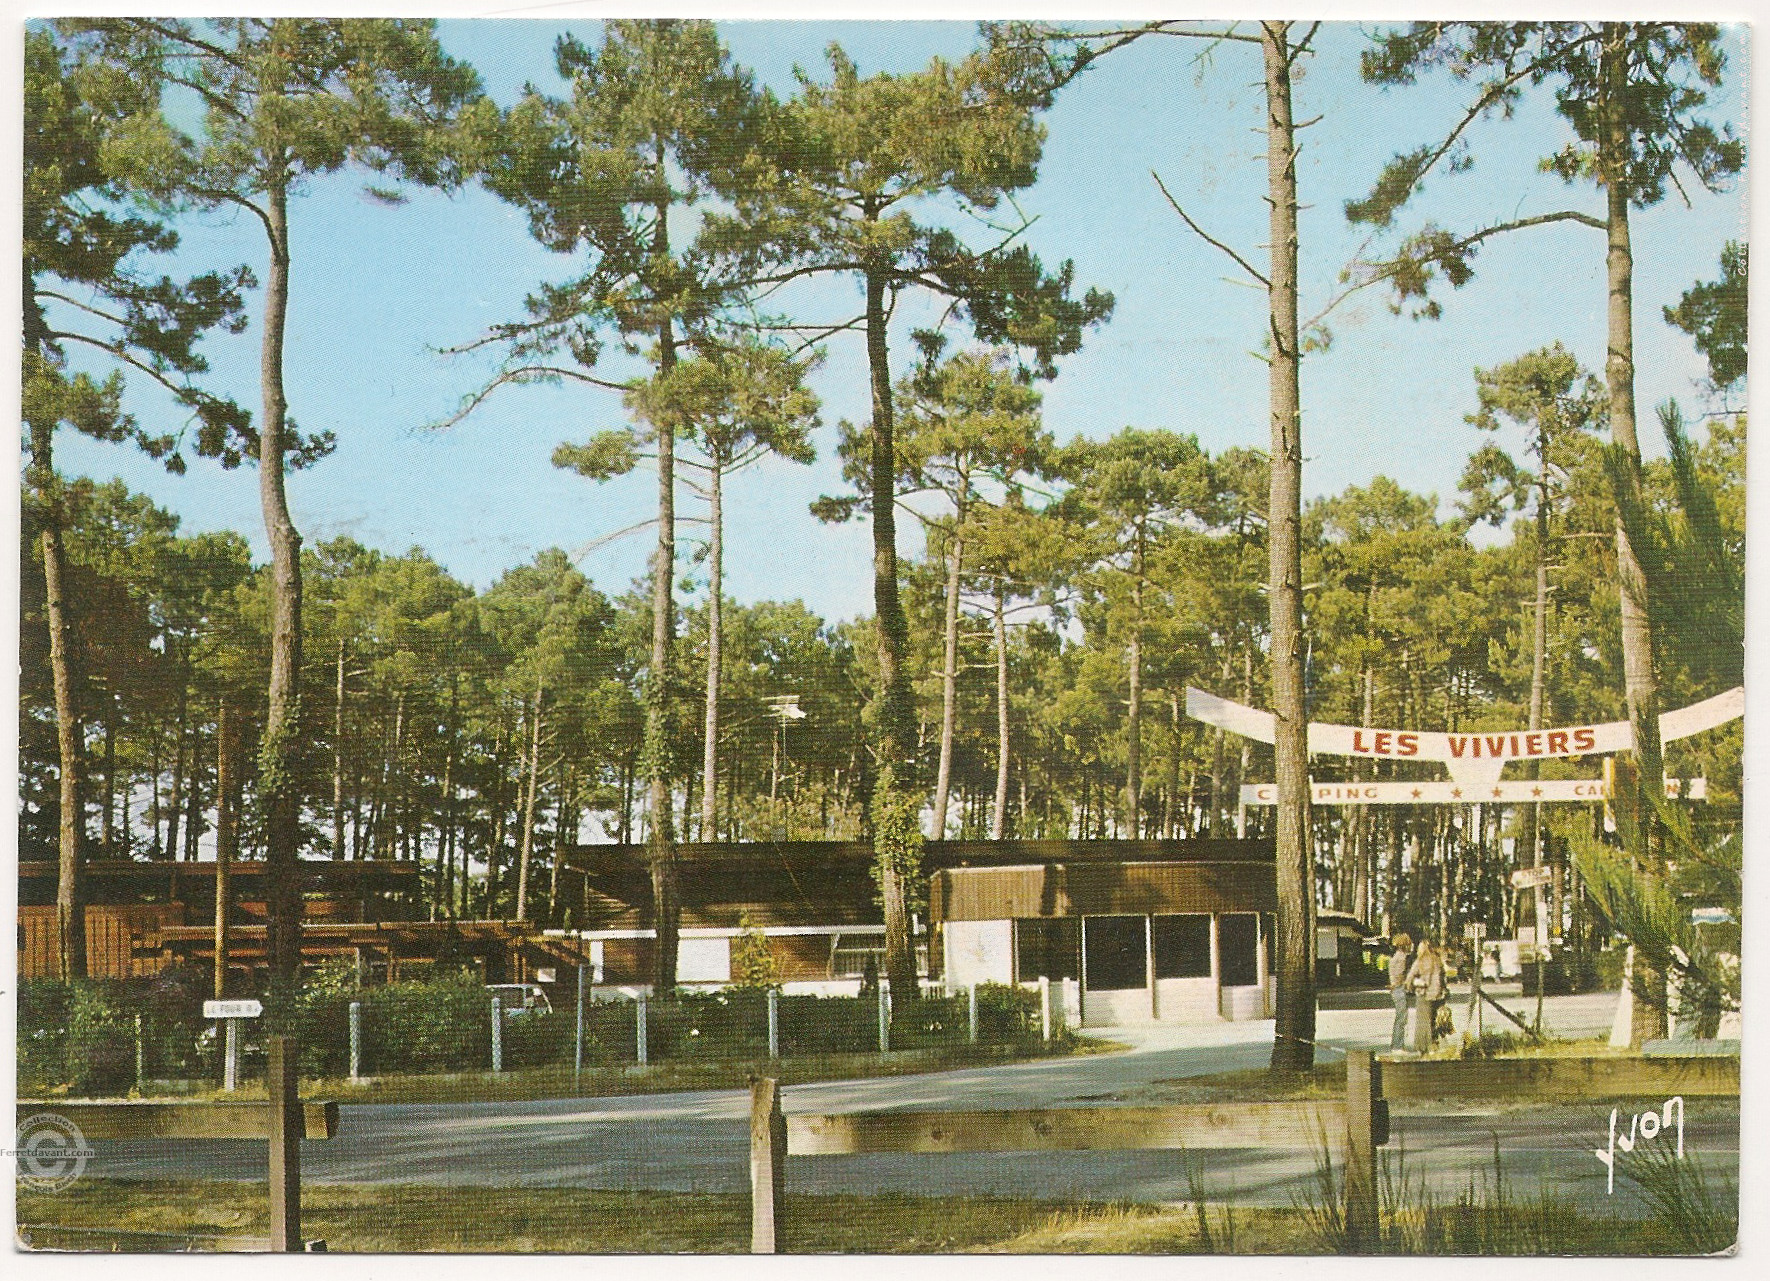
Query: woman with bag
(1428, 982)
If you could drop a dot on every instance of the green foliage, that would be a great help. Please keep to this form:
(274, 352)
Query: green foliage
(1652, 906)
(1698, 1213)
(753, 965)
(897, 828)
(1714, 314)
(77, 240)
(1664, 68)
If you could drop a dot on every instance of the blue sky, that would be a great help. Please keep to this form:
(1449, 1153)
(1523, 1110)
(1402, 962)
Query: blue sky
(376, 290)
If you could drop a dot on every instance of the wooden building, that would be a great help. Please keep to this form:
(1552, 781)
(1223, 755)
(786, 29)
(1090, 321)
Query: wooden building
(1185, 935)
(143, 917)
(815, 904)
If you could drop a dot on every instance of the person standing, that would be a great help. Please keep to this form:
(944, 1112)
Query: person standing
(1428, 982)
(1398, 963)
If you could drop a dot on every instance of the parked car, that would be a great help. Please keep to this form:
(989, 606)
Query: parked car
(520, 998)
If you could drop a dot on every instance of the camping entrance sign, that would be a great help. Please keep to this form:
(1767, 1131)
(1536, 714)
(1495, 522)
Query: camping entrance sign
(1473, 760)
(1523, 792)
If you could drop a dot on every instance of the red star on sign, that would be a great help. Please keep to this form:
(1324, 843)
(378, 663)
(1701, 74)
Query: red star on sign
(1536, 791)
(1416, 793)
(1457, 792)
(1496, 793)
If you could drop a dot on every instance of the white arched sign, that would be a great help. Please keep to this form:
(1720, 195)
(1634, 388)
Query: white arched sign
(1474, 760)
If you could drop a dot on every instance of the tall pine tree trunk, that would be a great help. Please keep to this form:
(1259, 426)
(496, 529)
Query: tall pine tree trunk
(225, 836)
(108, 824)
(999, 817)
(70, 897)
(1293, 1046)
(338, 755)
(1640, 683)
(1134, 713)
(180, 738)
(660, 839)
(528, 807)
(715, 637)
(279, 749)
(897, 719)
(949, 677)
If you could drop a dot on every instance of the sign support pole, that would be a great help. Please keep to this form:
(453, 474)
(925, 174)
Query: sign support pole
(230, 1079)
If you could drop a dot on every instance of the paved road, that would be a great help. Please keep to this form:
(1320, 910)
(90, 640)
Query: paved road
(699, 1141)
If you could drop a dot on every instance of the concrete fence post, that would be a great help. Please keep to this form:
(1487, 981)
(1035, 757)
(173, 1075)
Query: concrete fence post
(884, 1020)
(1363, 1092)
(639, 1046)
(497, 1035)
(287, 1122)
(774, 1023)
(356, 1040)
(138, 1053)
(971, 1011)
(1044, 1007)
(578, 1053)
(768, 1165)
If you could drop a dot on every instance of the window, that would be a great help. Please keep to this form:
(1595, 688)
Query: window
(851, 952)
(1116, 952)
(1237, 939)
(1182, 946)
(1048, 946)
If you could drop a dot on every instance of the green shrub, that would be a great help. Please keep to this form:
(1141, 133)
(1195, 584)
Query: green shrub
(538, 1039)
(100, 1050)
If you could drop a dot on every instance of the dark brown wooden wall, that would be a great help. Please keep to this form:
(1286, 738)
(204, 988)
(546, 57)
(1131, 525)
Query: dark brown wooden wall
(1009, 893)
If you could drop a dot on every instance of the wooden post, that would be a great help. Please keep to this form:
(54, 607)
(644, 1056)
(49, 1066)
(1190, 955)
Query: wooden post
(138, 1055)
(287, 1121)
(1361, 1151)
(768, 1165)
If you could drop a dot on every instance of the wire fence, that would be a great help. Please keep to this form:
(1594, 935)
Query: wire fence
(101, 1037)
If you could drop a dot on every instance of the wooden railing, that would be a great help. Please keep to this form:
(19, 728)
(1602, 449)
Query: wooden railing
(282, 1119)
(1358, 1124)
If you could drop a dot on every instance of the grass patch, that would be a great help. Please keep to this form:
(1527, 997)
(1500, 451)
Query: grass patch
(391, 1218)
(1249, 1085)
(1508, 1043)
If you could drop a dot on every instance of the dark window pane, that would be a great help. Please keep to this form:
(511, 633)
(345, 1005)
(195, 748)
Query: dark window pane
(1116, 953)
(1182, 946)
(1048, 946)
(1237, 939)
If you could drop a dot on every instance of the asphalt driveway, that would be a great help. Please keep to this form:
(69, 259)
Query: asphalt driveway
(699, 1140)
